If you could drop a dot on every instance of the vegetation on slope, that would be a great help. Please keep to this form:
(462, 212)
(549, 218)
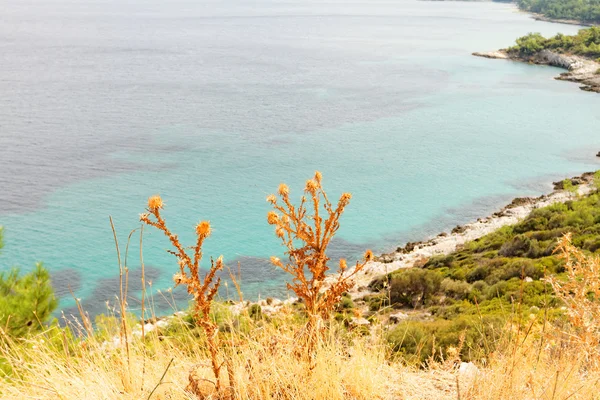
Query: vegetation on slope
(585, 43)
(26, 301)
(498, 300)
(468, 296)
(587, 11)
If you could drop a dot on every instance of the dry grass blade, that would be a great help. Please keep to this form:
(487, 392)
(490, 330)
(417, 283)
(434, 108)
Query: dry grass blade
(580, 292)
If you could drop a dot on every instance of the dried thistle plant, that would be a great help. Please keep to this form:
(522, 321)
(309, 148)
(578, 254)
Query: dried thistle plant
(581, 294)
(306, 235)
(203, 290)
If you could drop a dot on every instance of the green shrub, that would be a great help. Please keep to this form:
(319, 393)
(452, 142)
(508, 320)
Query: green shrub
(414, 340)
(458, 290)
(377, 302)
(414, 286)
(255, 312)
(26, 301)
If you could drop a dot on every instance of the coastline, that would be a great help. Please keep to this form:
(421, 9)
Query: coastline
(541, 17)
(412, 254)
(579, 69)
(417, 253)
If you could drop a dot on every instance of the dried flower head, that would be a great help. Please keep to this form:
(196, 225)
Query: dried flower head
(178, 278)
(343, 265)
(311, 186)
(280, 232)
(275, 261)
(369, 255)
(318, 177)
(203, 229)
(345, 197)
(272, 218)
(155, 202)
(284, 190)
(272, 199)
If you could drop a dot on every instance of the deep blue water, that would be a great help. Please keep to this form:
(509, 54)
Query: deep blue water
(213, 103)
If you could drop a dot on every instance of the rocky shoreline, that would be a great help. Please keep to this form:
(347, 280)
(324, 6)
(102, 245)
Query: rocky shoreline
(540, 17)
(579, 69)
(417, 253)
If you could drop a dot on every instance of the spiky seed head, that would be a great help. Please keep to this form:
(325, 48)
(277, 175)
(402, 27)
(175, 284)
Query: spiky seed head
(280, 232)
(272, 218)
(178, 278)
(369, 255)
(343, 264)
(318, 177)
(275, 260)
(144, 216)
(284, 190)
(311, 186)
(203, 229)
(272, 199)
(345, 197)
(155, 203)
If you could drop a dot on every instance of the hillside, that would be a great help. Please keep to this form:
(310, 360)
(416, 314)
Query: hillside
(578, 54)
(494, 310)
(585, 11)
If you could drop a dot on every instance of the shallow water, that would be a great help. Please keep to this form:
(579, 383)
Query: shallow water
(213, 104)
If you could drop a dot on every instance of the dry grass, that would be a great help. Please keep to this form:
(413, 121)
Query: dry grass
(553, 361)
(264, 365)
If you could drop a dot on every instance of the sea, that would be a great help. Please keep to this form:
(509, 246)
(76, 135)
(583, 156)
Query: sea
(213, 103)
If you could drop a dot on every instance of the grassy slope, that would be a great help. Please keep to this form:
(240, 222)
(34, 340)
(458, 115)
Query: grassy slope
(476, 290)
(486, 302)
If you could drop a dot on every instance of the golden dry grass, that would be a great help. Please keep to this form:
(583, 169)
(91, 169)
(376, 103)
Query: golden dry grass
(263, 361)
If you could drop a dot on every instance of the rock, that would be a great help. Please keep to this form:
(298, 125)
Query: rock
(398, 317)
(468, 370)
(359, 322)
(521, 201)
(491, 54)
(459, 229)
(598, 155)
(443, 234)
(575, 181)
(386, 258)
(269, 310)
(409, 247)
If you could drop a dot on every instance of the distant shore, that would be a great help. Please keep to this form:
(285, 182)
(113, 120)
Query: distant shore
(580, 69)
(540, 17)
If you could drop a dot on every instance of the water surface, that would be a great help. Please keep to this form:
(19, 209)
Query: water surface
(213, 103)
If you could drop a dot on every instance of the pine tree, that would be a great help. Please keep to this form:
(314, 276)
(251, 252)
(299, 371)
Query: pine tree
(26, 301)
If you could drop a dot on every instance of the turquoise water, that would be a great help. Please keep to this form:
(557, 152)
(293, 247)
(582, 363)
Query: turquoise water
(213, 104)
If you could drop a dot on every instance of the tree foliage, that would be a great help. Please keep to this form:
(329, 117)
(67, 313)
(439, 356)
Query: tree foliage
(26, 301)
(582, 10)
(585, 43)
